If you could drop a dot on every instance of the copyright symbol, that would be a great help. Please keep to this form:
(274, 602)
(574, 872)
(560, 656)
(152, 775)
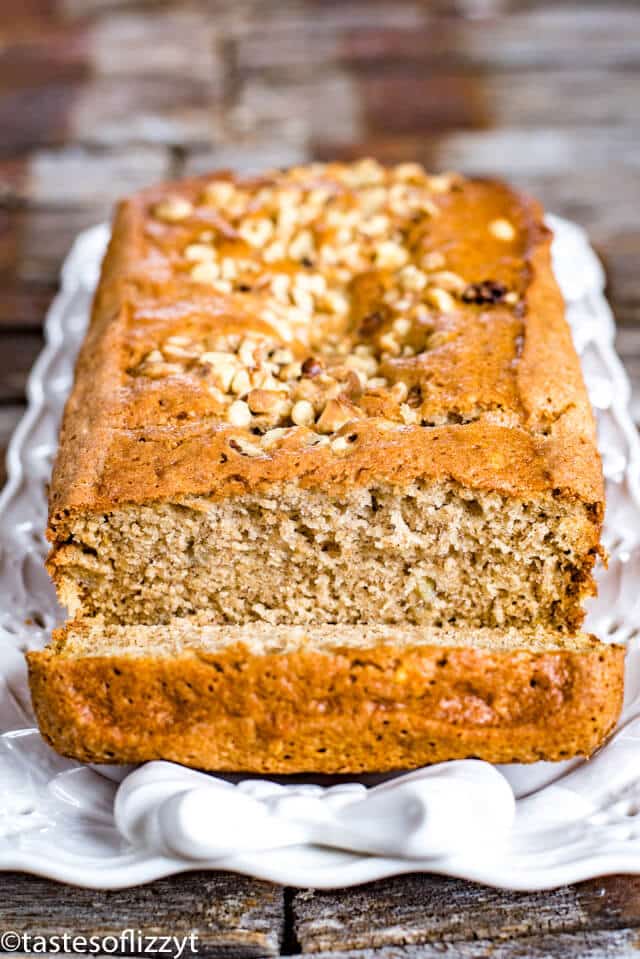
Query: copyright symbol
(10, 941)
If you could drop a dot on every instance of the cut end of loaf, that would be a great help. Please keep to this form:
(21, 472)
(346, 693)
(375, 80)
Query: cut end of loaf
(427, 554)
(334, 699)
(180, 637)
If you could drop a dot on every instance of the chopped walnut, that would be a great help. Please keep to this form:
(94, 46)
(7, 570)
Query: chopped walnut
(371, 323)
(502, 229)
(268, 401)
(173, 209)
(446, 280)
(206, 271)
(311, 367)
(303, 413)
(245, 446)
(335, 414)
(433, 260)
(489, 291)
(442, 300)
(239, 413)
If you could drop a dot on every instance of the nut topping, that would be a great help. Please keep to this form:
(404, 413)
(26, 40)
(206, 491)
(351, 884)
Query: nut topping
(173, 209)
(335, 414)
(489, 291)
(311, 367)
(502, 229)
(303, 413)
(333, 263)
(239, 414)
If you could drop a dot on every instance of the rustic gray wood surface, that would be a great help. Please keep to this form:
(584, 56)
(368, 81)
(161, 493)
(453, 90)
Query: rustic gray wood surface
(418, 909)
(98, 97)
(232, 916)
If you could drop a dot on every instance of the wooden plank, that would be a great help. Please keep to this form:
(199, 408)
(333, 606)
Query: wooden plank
(41, 49)
(23, 306)
(51, 93)
(74, 176)
(423, 909)
(178, 41)
(18, 16)
(580, 97)
(351, 34)
(245, 155)
(38, 239)
(42, 64)
(620, 251)
(618, 944)
(232, 916)
(113, 112)
(545, 35)
(588, 153)
(85, 9)
(402, 99)
(297, 110)
(17, 355)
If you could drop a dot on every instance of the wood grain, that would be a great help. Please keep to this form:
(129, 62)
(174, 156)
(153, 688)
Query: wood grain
(421, 909)
(619, 944)
(23, 305)
(38, 241)
(17, 355)
(232, 916)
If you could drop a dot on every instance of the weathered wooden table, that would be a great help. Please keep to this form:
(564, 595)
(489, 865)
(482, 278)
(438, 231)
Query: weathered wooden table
(98, 97)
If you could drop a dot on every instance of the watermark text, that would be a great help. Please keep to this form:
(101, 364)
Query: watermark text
(128, 942)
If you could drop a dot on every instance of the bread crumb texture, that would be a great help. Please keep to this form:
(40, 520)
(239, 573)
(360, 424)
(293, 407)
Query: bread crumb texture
(436, 555)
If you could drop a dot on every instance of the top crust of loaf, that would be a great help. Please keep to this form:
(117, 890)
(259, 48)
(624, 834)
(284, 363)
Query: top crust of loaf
(482, 385)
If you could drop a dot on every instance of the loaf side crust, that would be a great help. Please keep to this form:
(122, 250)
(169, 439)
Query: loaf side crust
(503, 384)
(341, 710)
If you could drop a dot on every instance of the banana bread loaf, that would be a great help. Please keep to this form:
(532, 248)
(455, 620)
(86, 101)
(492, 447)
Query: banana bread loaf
(342, 398)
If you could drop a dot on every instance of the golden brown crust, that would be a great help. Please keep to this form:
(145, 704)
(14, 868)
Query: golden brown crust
(500, 380)
(345, 710)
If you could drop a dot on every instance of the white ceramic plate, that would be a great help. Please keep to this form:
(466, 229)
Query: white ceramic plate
(571, 820)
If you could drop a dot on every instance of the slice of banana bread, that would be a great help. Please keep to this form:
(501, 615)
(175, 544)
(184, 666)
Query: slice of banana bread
(334, 699)
(340, 395)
